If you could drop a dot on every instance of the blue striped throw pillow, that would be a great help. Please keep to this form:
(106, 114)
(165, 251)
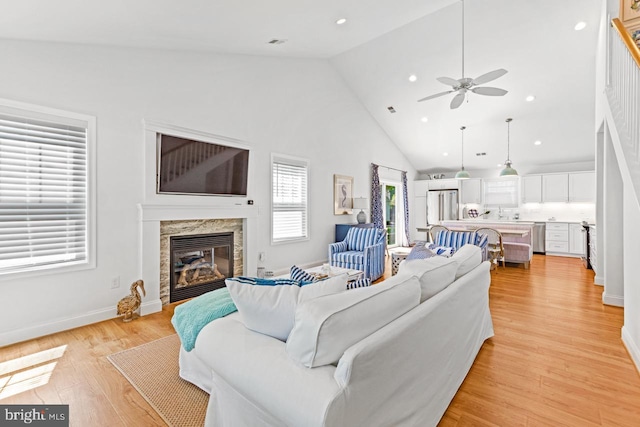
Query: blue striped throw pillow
(264, 282)
(360, 283)
(300, 275)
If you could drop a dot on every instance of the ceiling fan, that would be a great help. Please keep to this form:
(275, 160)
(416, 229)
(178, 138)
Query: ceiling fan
(466, 84)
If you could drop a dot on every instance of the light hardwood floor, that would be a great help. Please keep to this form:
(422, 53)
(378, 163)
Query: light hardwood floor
(556, 359)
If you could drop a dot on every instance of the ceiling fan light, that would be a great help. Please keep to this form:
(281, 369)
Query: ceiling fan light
(462, 174)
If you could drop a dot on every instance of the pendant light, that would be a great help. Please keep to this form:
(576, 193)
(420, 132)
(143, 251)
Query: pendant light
(462, 174)
(508, 170)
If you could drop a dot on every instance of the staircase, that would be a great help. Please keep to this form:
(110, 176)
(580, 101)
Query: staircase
(618, 210)
(623, 96)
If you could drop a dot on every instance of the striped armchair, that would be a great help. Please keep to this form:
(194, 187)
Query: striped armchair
(362, 249)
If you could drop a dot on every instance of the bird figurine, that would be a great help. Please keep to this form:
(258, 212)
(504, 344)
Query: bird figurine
(128, 305)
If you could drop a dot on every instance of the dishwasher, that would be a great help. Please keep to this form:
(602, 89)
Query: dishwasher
(539, 230)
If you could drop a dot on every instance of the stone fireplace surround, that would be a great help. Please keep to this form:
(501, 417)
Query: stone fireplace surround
(150, 218)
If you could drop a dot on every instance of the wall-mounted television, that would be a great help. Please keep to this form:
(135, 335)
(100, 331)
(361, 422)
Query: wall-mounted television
(187, 166)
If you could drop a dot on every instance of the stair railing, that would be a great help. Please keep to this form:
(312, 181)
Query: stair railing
(623, 89)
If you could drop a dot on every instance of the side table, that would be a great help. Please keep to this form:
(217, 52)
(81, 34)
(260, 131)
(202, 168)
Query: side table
(396, 259)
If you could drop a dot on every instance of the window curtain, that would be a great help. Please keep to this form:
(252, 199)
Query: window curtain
(405, 203)
(376, 198)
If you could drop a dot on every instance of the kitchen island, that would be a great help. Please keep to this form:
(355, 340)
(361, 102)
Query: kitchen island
(516, 236)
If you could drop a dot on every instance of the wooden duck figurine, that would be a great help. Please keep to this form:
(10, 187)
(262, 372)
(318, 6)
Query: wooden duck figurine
(130, 304)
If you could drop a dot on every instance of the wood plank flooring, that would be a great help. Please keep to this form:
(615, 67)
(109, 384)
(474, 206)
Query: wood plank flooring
(556, 359)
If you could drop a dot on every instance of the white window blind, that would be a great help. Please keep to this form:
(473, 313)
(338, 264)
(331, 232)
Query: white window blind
(43, 192)
(501, 192)
(289, 202)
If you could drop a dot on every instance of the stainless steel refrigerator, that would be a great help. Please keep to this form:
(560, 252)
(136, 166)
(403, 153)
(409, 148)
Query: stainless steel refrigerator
(442, 205)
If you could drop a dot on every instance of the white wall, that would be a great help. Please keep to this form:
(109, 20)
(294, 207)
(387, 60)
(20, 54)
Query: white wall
(292, 106)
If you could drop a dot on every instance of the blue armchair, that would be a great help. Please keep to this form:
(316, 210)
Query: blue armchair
(362, 249)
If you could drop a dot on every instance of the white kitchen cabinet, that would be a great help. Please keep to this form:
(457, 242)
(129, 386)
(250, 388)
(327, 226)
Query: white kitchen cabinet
(444, 184)
(557, 238)
(555, 187)
(577, 239)
(531, 187)
(582, 187)
(471, 191)
(420, 188)
(419, 211)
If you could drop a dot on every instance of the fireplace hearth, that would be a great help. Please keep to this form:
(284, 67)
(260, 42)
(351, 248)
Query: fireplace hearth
(199, 263)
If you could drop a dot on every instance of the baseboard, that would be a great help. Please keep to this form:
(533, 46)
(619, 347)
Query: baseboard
(598, 280)
(614, 300)
(632, 347)
(151, 307)
(67, 323)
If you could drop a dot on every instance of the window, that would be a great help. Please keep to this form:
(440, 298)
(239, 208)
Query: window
(289, 204)
(389, 210)
(45, 201)
(501, 192)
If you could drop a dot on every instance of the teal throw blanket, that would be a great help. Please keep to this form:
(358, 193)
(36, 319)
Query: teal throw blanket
(189, 318)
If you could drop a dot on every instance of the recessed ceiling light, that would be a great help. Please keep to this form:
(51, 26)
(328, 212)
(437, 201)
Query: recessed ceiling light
(445, 154)
(537, 142)
(500, 165)
(413, 78)
(530, 98)
(424, 119)
(580, 26)
(341, 21)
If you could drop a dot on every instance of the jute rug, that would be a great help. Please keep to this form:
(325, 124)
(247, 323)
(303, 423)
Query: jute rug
(152, 369)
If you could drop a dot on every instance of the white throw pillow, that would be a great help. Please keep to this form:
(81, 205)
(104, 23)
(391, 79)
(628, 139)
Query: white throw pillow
(269, 310)
(435, 274)
(325, 327)
(329, 286)
(468, 257)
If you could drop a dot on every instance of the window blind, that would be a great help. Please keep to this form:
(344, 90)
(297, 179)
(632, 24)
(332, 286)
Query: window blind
(43, 193)
(501, 192)
(289, 199)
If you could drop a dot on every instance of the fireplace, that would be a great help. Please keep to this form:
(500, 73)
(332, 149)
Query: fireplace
(199, 263)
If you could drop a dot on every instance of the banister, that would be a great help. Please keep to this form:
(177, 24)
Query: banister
(627, 40)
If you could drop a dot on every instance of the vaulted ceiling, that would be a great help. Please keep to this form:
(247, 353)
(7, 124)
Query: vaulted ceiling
(376, 50)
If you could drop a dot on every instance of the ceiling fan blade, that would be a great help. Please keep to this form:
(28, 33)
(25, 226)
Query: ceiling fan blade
(491, 75)
(489, 91)
(457, 100)
(435, 96)
(448, 81)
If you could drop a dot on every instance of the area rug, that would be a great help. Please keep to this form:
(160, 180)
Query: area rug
(152, 369)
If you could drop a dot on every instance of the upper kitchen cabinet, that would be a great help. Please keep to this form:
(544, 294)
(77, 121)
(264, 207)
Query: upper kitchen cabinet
(531, 187)
(555, 187)
(420, 188)
(444, 184)
(471, 191)
(582, 187)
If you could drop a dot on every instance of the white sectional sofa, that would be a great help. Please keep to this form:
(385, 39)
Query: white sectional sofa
(404, 373)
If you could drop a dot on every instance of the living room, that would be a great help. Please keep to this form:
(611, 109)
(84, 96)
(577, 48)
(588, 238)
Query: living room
(305, 107)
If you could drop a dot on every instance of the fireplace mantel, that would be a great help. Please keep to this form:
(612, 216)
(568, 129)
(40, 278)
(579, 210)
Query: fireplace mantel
(150, 215)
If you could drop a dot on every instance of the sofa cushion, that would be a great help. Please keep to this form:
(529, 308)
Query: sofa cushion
(332, 285)
(467, 257)
(435, 274)
(359, 238)
(325, 327)
(270, 310)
